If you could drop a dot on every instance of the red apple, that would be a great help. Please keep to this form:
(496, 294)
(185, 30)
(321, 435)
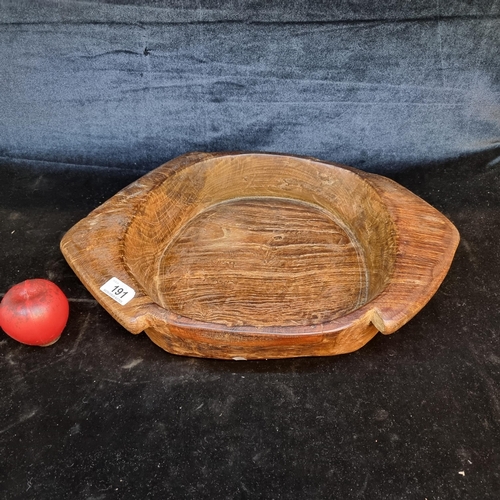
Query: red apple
(34, 312)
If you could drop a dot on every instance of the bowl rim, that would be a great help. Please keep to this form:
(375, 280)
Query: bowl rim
(426, 242)
(146, 216)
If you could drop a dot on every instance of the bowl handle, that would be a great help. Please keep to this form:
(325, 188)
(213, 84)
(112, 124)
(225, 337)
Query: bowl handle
(426, 241)
(92, 248)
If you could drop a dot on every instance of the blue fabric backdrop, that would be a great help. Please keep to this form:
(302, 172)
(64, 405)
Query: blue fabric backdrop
(379, 85)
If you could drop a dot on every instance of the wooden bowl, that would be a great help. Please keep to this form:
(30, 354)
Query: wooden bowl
(250, 255)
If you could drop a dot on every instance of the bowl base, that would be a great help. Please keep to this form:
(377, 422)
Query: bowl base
(263, 262)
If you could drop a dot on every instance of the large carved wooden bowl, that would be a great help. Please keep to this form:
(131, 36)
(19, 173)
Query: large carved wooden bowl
(247, 256)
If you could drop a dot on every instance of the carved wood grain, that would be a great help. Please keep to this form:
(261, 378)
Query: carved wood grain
(251, 255)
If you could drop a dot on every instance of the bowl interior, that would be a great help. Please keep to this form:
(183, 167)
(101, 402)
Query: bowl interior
(261, 240)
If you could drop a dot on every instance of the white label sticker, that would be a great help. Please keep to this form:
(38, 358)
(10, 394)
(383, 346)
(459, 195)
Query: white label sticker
(118, 291)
